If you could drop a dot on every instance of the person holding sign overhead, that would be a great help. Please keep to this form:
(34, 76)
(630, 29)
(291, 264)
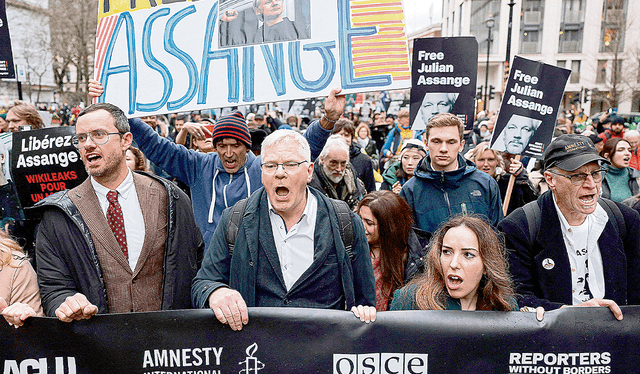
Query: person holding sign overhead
(219, 179)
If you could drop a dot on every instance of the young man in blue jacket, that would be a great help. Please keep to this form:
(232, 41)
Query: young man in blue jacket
(445, 184)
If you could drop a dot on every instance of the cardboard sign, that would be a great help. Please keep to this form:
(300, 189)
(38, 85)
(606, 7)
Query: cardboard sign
(44, 162)
(444, 79)
(6, 55)
(182, 56)
(529, 108)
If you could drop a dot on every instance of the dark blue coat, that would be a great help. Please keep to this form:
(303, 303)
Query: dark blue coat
(435, 196)
(551, 288)
(333, 281)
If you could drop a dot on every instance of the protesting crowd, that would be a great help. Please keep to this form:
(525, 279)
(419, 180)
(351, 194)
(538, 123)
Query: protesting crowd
(191, 211)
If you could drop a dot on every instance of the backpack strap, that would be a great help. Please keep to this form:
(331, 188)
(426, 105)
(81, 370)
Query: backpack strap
(532, 211)
(235, 220)
(345, 224)
(613, 210)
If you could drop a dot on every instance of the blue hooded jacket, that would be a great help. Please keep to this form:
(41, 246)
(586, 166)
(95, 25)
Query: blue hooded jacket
(204, 172)
(436, 196)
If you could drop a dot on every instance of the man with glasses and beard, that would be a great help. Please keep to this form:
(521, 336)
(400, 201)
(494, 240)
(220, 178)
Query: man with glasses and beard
(335, 176)
(571, 247)
(119, 242)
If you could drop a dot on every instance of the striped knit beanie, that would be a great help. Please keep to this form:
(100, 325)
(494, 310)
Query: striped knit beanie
(233, 126)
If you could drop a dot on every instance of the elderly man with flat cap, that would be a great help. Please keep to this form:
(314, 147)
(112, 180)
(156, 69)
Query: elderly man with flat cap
(571, 247)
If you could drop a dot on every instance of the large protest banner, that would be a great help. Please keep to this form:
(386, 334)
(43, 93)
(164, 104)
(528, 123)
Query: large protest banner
(7, 69)
(44, 162)
(178, 56)
(289, 340)
(529, 108)
(443, 79)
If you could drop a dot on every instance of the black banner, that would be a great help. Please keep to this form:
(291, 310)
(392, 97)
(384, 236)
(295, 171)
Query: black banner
(6, 56)
(443, 77)
(289, 340)
(529, 108)
(44, 162)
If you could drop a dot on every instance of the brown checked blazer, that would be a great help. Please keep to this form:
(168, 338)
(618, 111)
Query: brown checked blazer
(129, 290)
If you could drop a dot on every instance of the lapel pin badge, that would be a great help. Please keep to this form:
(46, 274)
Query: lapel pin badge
(548, 263)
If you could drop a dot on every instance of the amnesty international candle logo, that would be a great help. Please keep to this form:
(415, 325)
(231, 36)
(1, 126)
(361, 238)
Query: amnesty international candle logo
(251, 364)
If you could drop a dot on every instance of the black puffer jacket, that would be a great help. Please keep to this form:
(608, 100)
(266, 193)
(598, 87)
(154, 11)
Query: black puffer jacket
(66, 252)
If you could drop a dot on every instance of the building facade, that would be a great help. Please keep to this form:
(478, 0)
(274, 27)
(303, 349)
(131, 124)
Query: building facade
(30, 39)
(598, 40)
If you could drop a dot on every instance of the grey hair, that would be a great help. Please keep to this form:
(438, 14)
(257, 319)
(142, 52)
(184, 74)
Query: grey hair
(630, 133)
(119, 118)
(335, 141)
(279, 136)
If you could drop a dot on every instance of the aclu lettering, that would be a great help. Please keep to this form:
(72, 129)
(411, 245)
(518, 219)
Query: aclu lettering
(40, 366)
(380, 363)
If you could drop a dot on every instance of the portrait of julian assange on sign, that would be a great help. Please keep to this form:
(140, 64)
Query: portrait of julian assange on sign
(529, 108)
(443, 74)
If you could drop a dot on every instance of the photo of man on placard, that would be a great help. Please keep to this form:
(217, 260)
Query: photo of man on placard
(515, 135)
(434, 103)
(263, 21)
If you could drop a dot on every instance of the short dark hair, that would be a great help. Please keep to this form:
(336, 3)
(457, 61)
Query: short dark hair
(346, 125)
(119, 118)
(610, 147)
(445, 120)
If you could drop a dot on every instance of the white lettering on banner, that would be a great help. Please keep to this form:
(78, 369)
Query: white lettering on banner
(185, 357)
(380, 363)
(39, 366)
(63, 159)
(34, 143)
(560, 363)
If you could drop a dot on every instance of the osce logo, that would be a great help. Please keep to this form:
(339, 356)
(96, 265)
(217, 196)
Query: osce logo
(380, 363)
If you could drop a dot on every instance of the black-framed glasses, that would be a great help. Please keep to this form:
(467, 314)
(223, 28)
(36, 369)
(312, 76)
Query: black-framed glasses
(288, 167)
(99, 137)
(579, 178)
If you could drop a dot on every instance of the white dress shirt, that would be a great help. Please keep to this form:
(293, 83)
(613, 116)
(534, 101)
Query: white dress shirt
(296, 246)
(131, 212)
(583, 250)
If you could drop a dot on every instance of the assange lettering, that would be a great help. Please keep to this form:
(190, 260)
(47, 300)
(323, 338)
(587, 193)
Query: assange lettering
(444, 79)
(529, 108)
(154, 58)
(44, 162)
(294, 340)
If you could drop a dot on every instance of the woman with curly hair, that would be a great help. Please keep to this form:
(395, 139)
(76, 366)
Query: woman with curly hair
(396, 252)
(19, 293)
(466, 269)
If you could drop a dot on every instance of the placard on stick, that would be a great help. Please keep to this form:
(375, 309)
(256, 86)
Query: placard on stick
(529, 108)
(443, 79)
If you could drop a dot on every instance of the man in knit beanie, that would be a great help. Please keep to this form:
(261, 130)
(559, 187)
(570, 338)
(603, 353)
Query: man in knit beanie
(220, 179)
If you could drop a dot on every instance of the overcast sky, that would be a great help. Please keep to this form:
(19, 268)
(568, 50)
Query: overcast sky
(420, 14)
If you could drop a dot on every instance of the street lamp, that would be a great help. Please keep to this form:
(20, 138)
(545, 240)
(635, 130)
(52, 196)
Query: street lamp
(490, 22)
